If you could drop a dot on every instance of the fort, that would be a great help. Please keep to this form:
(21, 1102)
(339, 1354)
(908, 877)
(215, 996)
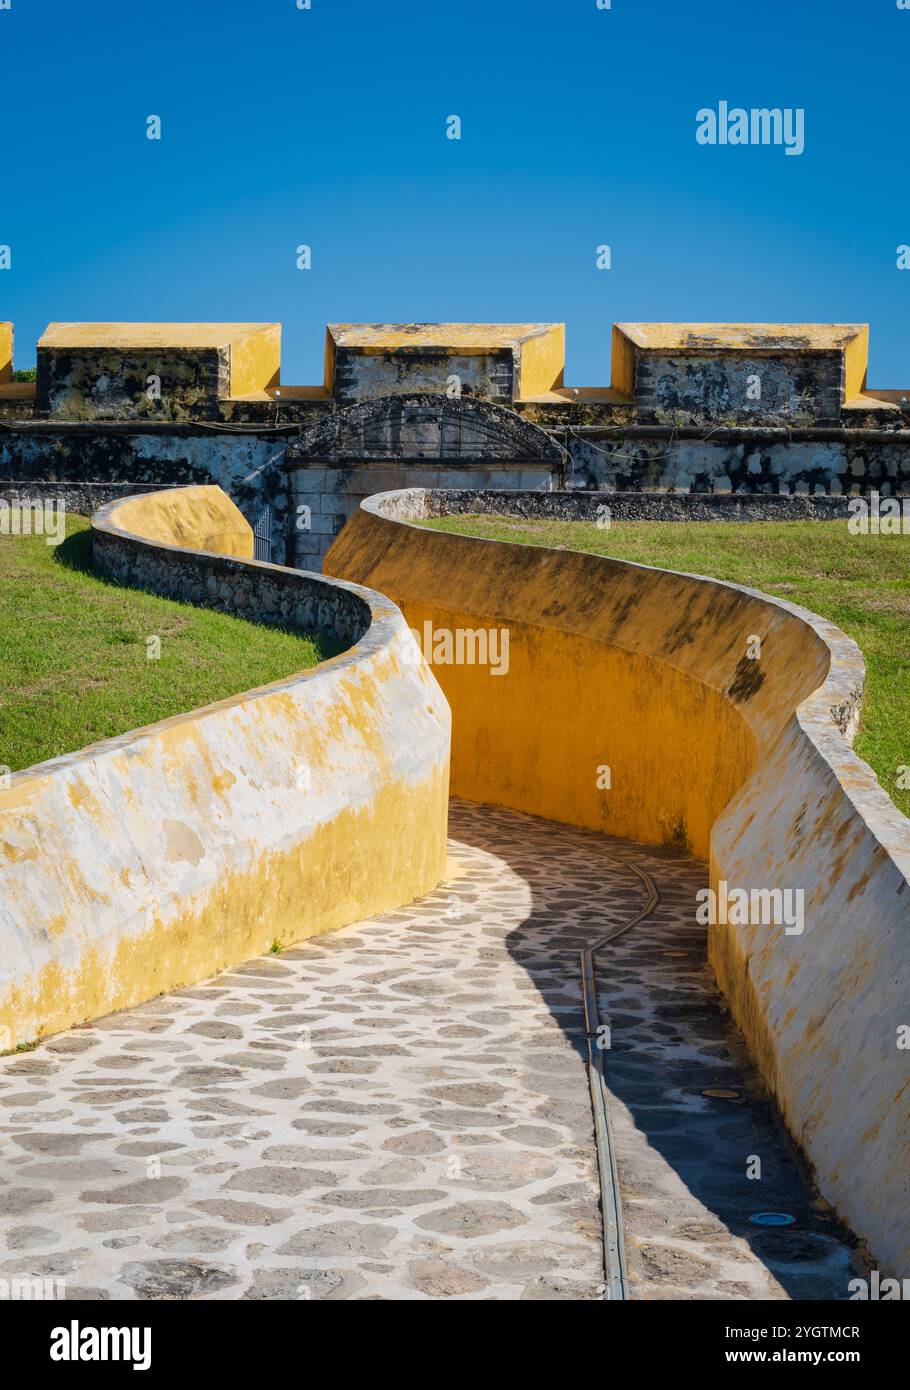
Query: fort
(681, 418)
(421, 870)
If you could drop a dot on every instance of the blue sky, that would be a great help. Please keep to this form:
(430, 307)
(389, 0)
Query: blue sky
(327, 127)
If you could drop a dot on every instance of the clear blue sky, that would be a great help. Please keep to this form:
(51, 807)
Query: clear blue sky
(327, 127)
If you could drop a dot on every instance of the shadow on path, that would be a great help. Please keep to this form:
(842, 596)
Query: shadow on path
(684, 1157)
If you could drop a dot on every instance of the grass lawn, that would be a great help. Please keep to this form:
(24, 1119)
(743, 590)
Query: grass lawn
(73, 663)
(861, 583)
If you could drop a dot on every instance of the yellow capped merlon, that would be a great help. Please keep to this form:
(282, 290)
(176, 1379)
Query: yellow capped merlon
(254, 348)
(537, 349)
(752, 339)
(6, 352)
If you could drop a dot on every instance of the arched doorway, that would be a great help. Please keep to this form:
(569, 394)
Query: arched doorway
(417, 440)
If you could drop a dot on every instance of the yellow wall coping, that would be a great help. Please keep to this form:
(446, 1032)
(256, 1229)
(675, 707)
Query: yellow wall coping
(743, 337)
(6, 351)
(465, 338)
(200, 516)
(149, 335)
(255, 348)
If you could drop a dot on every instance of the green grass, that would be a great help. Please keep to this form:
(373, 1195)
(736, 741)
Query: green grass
(861, 583)
(73, 662)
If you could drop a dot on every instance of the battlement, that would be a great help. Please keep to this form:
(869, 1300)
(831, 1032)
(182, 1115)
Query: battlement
(502, 362)
(749, 373)
(95, 371)
(665, 374)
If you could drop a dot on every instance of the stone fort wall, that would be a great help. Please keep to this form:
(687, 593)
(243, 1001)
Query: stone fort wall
(700, 409)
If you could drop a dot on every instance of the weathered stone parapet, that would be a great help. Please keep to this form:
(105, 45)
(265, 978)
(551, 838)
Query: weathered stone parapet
(680, 373)
(167, 371)
(694, 408)
(498, 361)
(152, 860)
(676, 374)
(618, 506)
(746, 763)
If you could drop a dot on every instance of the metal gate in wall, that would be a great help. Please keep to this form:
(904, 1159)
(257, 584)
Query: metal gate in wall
(262, 535)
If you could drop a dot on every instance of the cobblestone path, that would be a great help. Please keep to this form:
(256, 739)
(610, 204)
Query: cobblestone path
(400, 1109)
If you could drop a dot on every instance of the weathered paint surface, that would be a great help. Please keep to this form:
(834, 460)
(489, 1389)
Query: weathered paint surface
(195, 517)
(89, 371)
(756, 373)
(765, 466)
(6, 352)
(148, 861)
(748, 761)
(502, 361)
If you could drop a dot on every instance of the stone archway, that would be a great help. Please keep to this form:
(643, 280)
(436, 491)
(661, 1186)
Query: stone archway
(414, 440)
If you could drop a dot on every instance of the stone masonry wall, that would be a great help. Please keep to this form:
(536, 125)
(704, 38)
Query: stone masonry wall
(678, 419)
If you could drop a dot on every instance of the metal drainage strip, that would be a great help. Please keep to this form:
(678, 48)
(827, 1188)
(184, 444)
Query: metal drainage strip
(617, 1286)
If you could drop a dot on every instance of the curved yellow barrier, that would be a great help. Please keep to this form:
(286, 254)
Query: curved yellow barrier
(680, 710)
(152, 860)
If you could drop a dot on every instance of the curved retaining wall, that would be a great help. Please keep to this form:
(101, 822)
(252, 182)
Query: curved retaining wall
(152, 860)
(745, 763)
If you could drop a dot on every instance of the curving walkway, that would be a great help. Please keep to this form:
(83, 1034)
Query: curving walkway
(400, 1109)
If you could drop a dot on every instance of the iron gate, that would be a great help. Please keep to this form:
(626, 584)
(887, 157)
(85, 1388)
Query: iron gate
(262, 535)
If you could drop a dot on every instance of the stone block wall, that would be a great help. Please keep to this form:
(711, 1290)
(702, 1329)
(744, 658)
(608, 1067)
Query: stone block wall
(498, 362)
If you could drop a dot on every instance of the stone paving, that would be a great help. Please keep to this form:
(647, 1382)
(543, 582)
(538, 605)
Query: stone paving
(399, 1110)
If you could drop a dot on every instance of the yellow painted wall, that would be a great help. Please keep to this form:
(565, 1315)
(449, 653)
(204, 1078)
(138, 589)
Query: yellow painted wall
(6, 352)
(536, 738)
(151, 861)
(602, 671)
(542, 360)
(747, 762)
(201, 518)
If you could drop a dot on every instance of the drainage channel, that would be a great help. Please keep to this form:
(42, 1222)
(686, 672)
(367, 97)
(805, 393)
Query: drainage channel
(616, 1286)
